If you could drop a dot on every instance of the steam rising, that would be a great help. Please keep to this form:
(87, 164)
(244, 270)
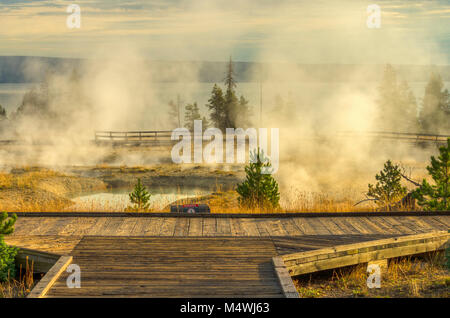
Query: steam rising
(115, 90)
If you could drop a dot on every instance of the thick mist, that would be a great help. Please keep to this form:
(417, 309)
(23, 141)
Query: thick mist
(116, 89)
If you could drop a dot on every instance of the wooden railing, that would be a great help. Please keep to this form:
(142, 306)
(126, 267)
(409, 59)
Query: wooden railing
(413, 137)
(151, 136)
(164, 136)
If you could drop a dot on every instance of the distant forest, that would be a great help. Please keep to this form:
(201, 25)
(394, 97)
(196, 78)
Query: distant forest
(16, 69)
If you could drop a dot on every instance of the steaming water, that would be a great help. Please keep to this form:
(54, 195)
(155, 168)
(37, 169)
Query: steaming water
(11, 94)
(118, 199)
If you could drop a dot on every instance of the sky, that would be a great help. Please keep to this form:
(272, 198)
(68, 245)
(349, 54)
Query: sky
(411, 32)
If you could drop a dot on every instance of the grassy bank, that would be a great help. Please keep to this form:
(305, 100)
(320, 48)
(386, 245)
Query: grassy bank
(425, 276)
(37, 189)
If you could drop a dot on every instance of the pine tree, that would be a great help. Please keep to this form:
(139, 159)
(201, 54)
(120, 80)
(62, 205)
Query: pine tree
(437, 196)
(2, 112)
(243, 117)
(258, 190)
(435, 113)
(7, 253)
(216, 104)
(140, 197)
(191, 113)
(230, 82)
(226, 109)
(231, 109)
(388, 189)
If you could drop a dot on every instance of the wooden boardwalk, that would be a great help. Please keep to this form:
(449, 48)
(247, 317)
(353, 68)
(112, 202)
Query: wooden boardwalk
(198, 256)
(184, 266)
(236, 227)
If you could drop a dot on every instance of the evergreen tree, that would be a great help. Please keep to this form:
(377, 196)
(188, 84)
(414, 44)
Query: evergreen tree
(243, 117)
(205, 123)
(7, 253)
(258, 190)
(435, 113)
(191, 113)
(230, 82)
(226, 109)
(397, 106)
(437, 196)
(2, 113)
(388, 189)
(216, 105)
(231, 109)
(140, 197)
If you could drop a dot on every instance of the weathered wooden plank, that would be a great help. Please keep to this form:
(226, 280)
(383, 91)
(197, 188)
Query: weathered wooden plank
(46, 282)
(209, 227)
(357, 224)
(331, 226)
(434, 224)
(126, 228)
(371, 226)
(168, 227)
(153, 228)
(345, 255)
(175, 266)
(345, 226)
(304, 226)
(443, 219)
(141, 225)
(181, 227)
(97, 227)
(275, 228)
(262, 228)
(196, 227)
(284, 278)
(236, 228)
(386, 227)
(41, 225)
(224, 226)
(249, 227)
(290, 227)
(111, 226)
(398, 226)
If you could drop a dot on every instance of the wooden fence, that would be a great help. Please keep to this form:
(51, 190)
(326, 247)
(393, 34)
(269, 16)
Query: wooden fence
(161, 137)
(134, 137)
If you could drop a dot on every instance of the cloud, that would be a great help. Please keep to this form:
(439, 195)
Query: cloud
(211, 30)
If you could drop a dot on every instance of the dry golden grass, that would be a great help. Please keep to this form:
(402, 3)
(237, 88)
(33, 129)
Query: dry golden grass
(21, 286)
(42, 190)
(405, 277)
(27, 179)
(219, 202)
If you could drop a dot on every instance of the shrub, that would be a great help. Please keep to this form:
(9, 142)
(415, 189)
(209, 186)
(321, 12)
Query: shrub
(7, 253)
(259, 190)
(140, 198)
(437, 196)
(388, 189)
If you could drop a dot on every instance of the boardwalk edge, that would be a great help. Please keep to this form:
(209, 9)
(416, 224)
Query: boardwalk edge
(44, 285)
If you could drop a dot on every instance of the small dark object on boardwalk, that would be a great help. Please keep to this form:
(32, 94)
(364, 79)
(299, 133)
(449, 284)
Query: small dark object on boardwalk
(190, 208)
